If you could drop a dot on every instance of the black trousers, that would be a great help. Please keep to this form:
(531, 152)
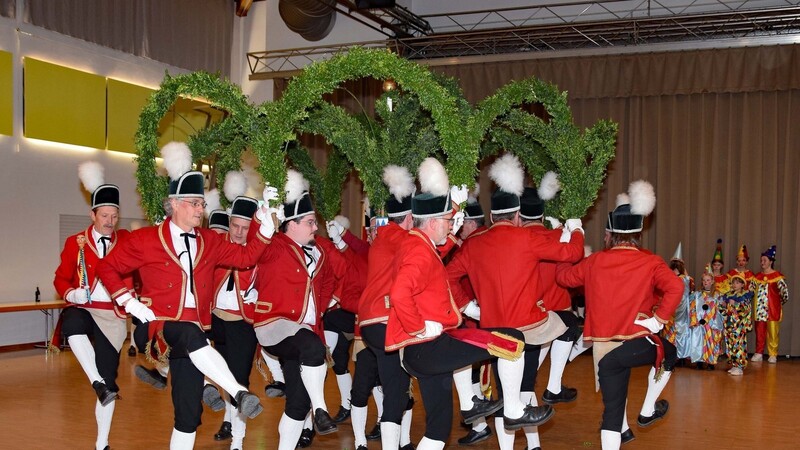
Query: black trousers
(236, 341)
(186, 380)
(614, 372)
(304, 348)
(573, 330)
(340, 321)
(365, 377)
(433, 363)
(395, 381)
(78, 321)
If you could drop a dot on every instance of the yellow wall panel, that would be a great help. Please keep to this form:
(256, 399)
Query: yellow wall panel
(6, 94)
(125, 103)
(64, 105)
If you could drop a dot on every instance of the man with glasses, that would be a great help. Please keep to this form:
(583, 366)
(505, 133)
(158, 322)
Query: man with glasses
(294, 291)
(176, 261)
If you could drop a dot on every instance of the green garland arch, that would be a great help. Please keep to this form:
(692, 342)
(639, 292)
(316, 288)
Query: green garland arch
(229, 135)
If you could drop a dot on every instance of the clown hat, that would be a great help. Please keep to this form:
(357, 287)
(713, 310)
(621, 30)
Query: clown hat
(678, 256)
(718, 252)
(771, 253)
(743, 253)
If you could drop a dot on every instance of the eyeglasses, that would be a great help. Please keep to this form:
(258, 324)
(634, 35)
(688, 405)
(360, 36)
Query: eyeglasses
(195, 203)
(310, 222)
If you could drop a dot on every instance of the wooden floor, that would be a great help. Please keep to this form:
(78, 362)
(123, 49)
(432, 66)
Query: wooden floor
(46, 402)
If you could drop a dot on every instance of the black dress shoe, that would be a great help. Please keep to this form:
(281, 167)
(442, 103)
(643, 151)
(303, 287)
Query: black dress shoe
(151, 376)
(342, 415)
(375, 433)
(306, 438)
(662, 406)
(566, 395)
(473, 437)
(627, 436)
(131, 351)
(323, 422)
(531, 416)
(224, 432)
(275, 389)
(247, 404)
(104, 394)
(534, 448)
(408, 446)
(361, 447)
(212, 398)
(480, 408)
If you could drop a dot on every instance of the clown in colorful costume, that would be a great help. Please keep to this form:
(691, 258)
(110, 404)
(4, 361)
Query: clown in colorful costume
(742, 258)
(771, 292)
(706, 324)
(677, 329)
(717, 264)
(737, 304)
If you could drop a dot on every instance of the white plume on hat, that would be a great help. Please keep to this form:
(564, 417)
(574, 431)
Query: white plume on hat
(623, 199)
(433, 178)
(343, 221)
(212, 201)
(508, 175)
(177, 159)
(472, 198)
(235, 185)
(295, 185)
(91, 175)
(399, 181)
(643, 197)
(549, 186)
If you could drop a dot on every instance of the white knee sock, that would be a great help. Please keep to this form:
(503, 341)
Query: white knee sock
(505, 438)
(405, 427)
(463, 381)
(654, 389)
(345, 383)
(314, 381)
(543, 354)
(181, 440)
(476, 389)
(238, 429)
(307, 421)
(579, 347)
(479, 425)
(229, 409)
(289, 431)
(358, 418)
(377, 394)
(331, 339)
(84, 353)
(559, 353)
(531, 432)
(213, 365)
(611, 440)
(430, 444)
(274, 366)
(103, 415)
(510, 373)
(390, 435)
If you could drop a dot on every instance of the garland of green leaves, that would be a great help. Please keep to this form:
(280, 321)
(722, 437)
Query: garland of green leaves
(579, 159)
(326, 189)
(226, 140)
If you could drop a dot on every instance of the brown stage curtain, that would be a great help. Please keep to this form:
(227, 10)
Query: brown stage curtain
(711, 129)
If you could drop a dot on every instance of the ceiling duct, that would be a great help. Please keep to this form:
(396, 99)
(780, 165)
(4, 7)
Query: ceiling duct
(311, 19)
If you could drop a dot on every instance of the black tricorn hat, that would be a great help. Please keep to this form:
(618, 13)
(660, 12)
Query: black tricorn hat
(531, 206)
(218, 219)
(624, 221)
(301, 207)
(396, 208)
(105, 195)
(244, 207)
(473, 211)
(504, 202)
(190, 184)
(429, 205)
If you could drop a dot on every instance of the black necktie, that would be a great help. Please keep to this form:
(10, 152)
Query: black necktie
(103, 240)
(230, 283)
(309, 251)
(186, 237)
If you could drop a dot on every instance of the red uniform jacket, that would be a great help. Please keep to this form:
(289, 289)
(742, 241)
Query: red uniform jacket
(67, 276)
(373, 306)
(419, 292)
(242, 279)
(502, 264)
(284, 284)
(555, 297)
(341, 273)
(620, 283)
(360, 247)
(164, 282)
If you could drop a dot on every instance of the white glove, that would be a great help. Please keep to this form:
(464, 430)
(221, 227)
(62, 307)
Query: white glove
(432, 329)
(554, 223)
(473, 310)
(459, 194)
(574, 225)
(270, 194)
(249, 296)
(650, 323)
(565, 236)
(278, 214)
(78, 296)
(139, 310)
(264, 216)
(458, 222)
(335, 231)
